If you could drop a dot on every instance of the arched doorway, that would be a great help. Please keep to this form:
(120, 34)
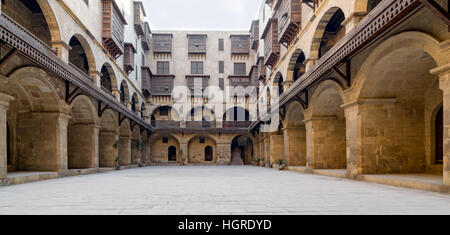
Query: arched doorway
(241, 150)
(105, 80)
(299, 68)
(208, 154)
(439, 138)
(172, 152)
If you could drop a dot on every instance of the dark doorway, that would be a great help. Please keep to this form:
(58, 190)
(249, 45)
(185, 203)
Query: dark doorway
(439, 127)
(8, 145)
(208, 154)
(172, 154)
(77, 55)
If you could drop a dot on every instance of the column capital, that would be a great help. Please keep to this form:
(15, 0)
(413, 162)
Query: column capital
(4, 100)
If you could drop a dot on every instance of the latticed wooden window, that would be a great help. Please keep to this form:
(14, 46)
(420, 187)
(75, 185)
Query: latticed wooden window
(197, 43)
(162, 67)
(240, 69)
(197, 67)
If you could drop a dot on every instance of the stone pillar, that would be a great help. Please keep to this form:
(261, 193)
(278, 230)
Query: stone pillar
(136, 154)
(287, 85)
(325, 141)
(83, 146)
(62, 50)
(310, 63)
(224, 153)
(184, 154)
(295, 146)
(125, 150)
(267, 149)
(4, 105)
(444, 83)
(42, 141)
(107, 152)
(116, 95)
(96, 77)
(276, 148)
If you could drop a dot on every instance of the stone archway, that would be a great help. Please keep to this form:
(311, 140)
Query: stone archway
(108, 139)
(124, 93)
(329, 31)
(125, 143)
(165, 149)
(242, 151)
(294, 133)
(297, 66)
(82, 135)
(396, 107)
(108, 79)
(196, 150)
(81, 55)
(326, 128)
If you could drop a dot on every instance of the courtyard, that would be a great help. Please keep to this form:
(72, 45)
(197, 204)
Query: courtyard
(243, 190)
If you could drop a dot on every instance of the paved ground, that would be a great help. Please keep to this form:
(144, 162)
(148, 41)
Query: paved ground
(214, 190)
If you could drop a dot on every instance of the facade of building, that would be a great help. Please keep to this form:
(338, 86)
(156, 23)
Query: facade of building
(363, 87)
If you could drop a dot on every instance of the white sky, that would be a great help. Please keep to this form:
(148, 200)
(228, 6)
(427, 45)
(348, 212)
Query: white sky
(201, 14)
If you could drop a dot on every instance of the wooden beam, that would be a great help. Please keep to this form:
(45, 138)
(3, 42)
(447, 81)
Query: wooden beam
(8, 57)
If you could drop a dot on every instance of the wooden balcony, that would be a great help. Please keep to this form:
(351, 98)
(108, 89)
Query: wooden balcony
(197, 43)
(192, 79)
(162, 85)
(271, 43)
(128, 60)
(289, 15)
(254, 37)
(162, 43)
(146, 80)
(240, 44)
(236, 81)
(261, 69)
(146, 37)
(139, 18)
(113, 28)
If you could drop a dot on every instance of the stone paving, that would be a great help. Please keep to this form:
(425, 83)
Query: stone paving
(214, 190)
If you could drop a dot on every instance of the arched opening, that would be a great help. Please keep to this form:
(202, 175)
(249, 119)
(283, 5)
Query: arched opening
(300, 67)
(105, 80)
(172, 152)
(165, 149)
(81, 135)
(30, 15)
(125, 143)
(134, 103)
(8, 145)
(35, 125)
(241, 150)
(280, 83)
(439, 137)
(124, 93)
(77, 55)
(403, 111)
(197, 147)
(108, 140)
(144, 111)
(237, 114)
(208, 154)
(327, 128)
(329, 31)
(295, 136)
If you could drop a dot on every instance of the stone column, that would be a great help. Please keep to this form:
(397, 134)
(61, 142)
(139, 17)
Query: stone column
(267, 149)
(42, 141)
(62, 50)
(224, 153)
(107, 152)
(125, 150)
(4, 105)
(96, 77)
(444, 83)
(184, 156)
(310, 63)
(83, 146)
(325, 141)
(295, 146)
(276, 148)
(136, 154)
(116, 95)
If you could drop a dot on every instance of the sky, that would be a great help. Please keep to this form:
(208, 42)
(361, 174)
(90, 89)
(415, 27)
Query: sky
(201, 14)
